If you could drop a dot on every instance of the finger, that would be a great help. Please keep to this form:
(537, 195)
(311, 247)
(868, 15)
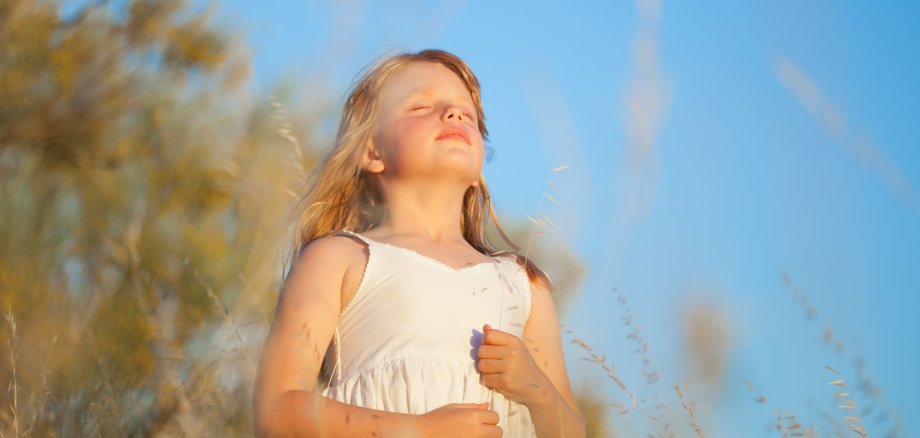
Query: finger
(468, 405)
(496, 337)
(491, 380)
(491, 352)
(475, 406)
(487, 417)
(492, 431)
(490, 365)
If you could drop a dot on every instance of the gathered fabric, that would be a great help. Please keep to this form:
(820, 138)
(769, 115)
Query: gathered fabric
(407, 340)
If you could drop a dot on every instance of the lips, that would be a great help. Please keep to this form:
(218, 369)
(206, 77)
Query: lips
(454, 132)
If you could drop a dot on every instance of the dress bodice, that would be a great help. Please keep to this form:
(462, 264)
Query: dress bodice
(407, 340)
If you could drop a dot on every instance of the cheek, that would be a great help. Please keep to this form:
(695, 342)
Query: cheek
(397, 138)
(407, 131)
(388, 137)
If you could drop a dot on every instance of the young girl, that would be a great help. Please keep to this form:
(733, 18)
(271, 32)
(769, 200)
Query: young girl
(430, 331)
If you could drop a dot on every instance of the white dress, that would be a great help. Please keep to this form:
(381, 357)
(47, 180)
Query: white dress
(407, 341)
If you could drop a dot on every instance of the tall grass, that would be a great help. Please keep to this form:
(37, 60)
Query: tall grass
(143, 221)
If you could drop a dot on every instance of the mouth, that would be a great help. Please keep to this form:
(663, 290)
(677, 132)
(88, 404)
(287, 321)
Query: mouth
(454, 133)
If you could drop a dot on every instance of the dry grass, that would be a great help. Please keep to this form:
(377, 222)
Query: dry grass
(139, 294)
(13, 387)
(853, 421)
(866, 385)
(205, 389)
(690, 413)
(784, 422)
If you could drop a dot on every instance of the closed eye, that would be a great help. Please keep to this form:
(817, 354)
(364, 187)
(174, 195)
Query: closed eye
(420, 106)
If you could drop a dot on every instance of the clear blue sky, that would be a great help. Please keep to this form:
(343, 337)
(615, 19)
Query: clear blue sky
(782, 139)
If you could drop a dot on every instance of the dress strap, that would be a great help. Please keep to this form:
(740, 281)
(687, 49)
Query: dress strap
(336, 373)
(348, 232)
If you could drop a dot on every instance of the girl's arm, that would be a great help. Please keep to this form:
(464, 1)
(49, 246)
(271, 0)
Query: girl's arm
(554, 412)
(285, 401)
(532, 370)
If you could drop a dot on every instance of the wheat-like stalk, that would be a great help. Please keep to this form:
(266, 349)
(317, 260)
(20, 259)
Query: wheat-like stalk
(46, 388)
(635, 335)
(609, 369)
(222, 308)
(690, 412)
(853, 422)
(541, 220)
(865, 382)
(13, 387)
(286, 131)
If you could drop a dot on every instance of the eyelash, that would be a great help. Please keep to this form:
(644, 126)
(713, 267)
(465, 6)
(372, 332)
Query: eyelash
(465, 113)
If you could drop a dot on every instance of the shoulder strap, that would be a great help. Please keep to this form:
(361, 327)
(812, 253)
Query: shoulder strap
(346, 232)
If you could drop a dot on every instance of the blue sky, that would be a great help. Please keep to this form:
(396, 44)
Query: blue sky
(780, 140)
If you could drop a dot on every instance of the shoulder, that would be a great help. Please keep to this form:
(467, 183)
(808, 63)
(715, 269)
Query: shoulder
(538, 278)
(534, 281)
(541, 297)
(330, 256)
(334, 247)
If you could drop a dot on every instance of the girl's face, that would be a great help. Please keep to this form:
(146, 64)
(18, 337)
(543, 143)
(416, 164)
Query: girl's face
(427, 126)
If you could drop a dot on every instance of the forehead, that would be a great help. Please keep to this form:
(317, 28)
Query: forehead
(422, 78)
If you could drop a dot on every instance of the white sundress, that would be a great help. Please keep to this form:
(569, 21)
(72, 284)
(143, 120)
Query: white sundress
(407, 341)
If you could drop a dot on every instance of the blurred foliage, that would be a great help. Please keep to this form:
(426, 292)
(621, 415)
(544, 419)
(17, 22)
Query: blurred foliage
(139, 196)
(144, 204)
(594, 408)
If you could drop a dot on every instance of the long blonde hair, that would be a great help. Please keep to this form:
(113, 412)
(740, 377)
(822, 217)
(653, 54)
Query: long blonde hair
(341, 195)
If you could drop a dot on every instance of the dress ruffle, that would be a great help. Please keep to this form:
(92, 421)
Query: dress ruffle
(416, 385)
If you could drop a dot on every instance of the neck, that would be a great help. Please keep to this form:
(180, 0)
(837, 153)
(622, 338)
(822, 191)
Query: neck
(431, 211)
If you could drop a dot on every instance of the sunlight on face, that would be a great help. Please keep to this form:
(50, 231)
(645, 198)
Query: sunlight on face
(427, 125)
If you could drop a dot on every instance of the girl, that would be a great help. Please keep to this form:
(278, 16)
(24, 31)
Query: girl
(430, 331)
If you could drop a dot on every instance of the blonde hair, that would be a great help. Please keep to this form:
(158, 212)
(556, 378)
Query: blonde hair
(342, 196)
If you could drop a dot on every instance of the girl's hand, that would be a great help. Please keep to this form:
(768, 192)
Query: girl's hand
(506, 365)
(462, 420)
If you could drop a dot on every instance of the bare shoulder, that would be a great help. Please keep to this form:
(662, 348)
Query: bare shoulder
(538, 286)
(305, 317)
(541, 298)
(543, 322)
(337, 261)
(332, 255)
(334, 248)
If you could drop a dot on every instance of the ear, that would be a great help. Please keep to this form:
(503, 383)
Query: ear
(476, 183)
(370, 160)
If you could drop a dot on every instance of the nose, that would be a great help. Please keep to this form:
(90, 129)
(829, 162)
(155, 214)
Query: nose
(453, 114)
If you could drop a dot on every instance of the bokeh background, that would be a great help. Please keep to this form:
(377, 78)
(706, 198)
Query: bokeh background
(724, 192)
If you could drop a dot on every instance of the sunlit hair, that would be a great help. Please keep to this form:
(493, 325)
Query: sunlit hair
(341, 195)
